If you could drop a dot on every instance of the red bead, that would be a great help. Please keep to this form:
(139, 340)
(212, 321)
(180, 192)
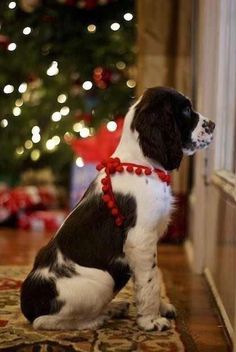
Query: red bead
(138, 171)
(114, 211)
(104, 181)
(119, 221)
(130, 168)
(104, 162)
(164, 178)
(99, 167)
(110, 204)
(105, 188)
(168, 179)
(161, 174)
(112, 169)
(148, 171)
(106, 198)
(119, 168)
(117, 160)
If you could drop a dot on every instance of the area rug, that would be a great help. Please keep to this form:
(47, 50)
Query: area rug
(16, 334)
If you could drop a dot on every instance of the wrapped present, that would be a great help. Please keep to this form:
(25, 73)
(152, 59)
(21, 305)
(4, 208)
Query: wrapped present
(45, 220)
(177, 229)
(25, 199)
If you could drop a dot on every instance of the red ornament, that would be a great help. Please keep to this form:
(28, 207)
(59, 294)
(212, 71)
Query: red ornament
(90, 4)
(105, 188)
(87, 117)
(4, 41)
(102, 77)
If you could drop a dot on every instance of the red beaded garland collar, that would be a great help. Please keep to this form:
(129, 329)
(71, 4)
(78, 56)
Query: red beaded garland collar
(113, 165)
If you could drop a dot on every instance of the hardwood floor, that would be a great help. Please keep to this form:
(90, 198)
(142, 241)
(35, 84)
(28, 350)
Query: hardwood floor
(198, 320)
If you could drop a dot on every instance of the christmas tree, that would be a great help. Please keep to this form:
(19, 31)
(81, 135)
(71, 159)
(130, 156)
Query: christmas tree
(66, 67)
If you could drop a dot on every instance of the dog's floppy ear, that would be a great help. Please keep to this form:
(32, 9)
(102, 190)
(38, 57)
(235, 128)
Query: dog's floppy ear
(159, 137)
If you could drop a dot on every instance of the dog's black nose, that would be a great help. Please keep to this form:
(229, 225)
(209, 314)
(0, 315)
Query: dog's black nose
(211, 126)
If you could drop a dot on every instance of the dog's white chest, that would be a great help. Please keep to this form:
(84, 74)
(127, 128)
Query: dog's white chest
(154, 201)
(153, 197)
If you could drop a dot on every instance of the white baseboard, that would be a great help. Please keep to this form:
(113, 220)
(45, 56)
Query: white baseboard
(188, 246)
(219, 303)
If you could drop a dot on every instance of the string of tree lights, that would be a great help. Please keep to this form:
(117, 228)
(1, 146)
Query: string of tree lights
(66, 68)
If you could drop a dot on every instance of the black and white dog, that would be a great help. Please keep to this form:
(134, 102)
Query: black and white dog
(107, 240)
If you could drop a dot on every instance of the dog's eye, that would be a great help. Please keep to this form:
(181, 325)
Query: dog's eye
(187, 111)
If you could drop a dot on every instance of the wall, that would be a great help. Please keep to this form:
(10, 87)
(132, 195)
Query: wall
(164, 55)
(220, 261)
(213, 199)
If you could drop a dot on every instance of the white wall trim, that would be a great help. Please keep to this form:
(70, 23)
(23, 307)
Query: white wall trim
(226, 181)
(188, 246)
(219, 303)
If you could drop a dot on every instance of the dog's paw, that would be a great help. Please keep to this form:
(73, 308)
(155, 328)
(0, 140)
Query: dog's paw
(167, 310)
(153, 324)
(45, 322)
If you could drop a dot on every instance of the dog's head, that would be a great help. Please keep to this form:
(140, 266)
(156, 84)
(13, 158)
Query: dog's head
(168, 127)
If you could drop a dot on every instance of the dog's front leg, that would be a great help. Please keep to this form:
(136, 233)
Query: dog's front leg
(143, 262)
(147, 290)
